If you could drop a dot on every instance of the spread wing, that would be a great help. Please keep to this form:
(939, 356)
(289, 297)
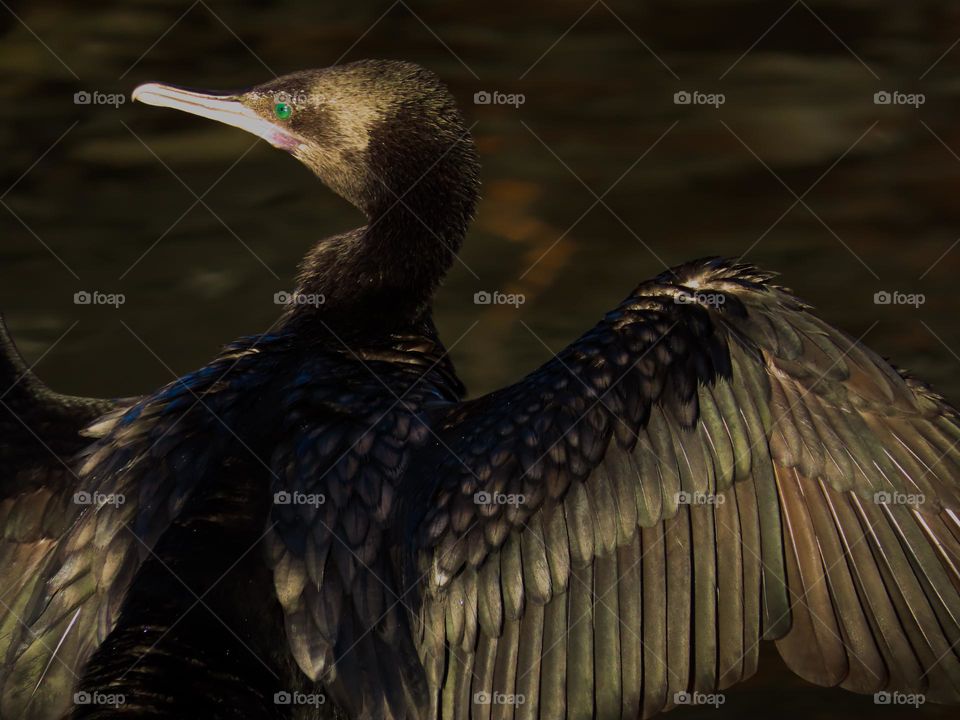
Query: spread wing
(709, 466)
(67, 562)
(40, 437)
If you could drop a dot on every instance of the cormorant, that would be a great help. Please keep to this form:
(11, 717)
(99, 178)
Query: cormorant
(318, 522)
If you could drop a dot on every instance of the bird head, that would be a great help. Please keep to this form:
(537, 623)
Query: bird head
(387, 136)
(369, 130)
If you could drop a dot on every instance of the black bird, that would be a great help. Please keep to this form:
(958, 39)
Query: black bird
(612, 535)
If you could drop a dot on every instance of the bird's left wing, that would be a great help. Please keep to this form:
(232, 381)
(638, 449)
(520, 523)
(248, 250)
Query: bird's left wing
(40, 437)
(709, 466)
(79, 523)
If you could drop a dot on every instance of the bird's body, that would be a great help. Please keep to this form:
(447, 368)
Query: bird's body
(317, 522)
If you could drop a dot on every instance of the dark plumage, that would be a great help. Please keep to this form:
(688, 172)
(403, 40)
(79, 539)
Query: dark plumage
(616, 530)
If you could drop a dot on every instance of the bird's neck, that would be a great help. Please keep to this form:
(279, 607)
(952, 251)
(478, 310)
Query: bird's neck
(382, 276)
(419, 200)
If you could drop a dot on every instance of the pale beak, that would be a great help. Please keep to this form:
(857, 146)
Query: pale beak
(222, 107)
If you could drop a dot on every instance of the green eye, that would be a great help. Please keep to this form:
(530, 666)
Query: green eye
(283, 110)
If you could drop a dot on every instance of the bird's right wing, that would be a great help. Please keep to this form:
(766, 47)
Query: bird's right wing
(710, 466)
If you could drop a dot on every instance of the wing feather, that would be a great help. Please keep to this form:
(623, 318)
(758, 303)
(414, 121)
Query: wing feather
(713, 476)
(42, 437)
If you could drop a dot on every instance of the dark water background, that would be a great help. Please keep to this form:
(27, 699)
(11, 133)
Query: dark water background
(99, 211)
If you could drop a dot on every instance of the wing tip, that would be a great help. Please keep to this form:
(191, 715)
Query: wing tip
(13, 369)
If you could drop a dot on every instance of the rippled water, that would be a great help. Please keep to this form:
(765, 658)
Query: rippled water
(112, 207)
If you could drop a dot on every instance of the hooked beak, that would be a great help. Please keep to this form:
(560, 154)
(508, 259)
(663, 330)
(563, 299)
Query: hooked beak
(222, 107)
